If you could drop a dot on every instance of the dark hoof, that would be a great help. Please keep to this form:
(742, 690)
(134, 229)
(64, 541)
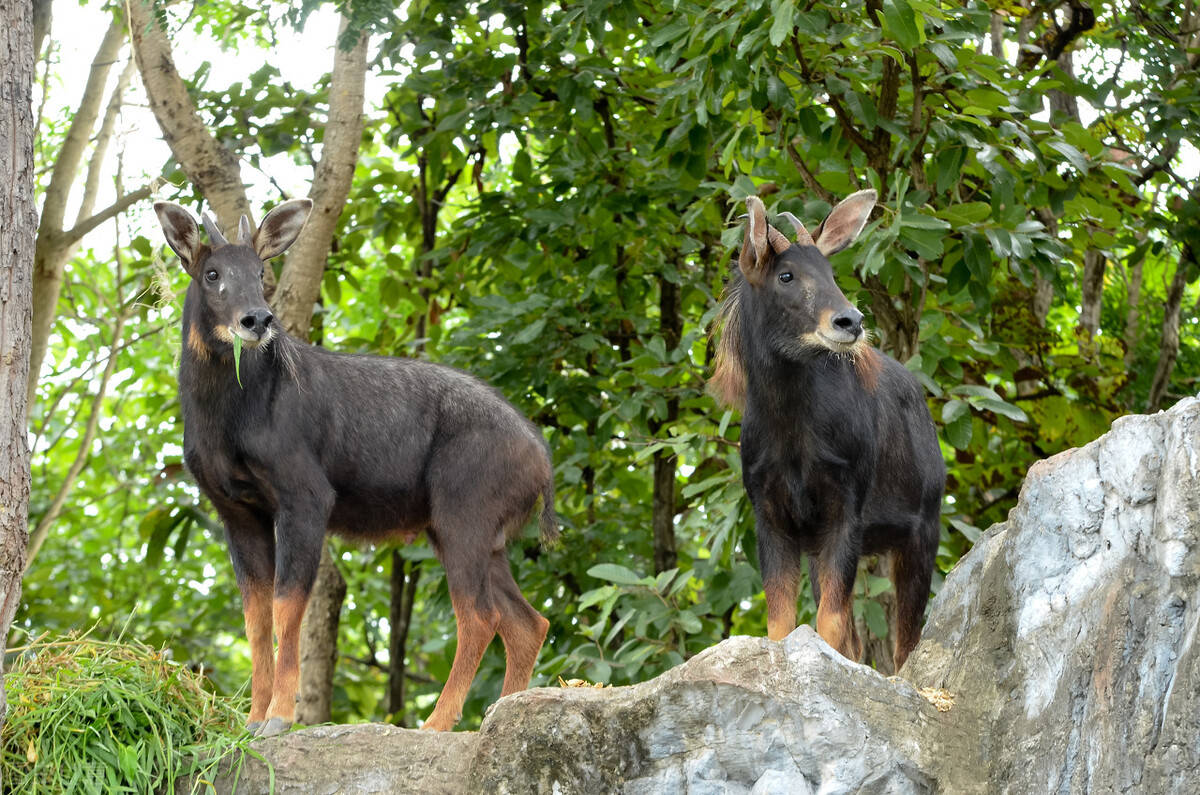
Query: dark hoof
(253, 726)
(273, 727)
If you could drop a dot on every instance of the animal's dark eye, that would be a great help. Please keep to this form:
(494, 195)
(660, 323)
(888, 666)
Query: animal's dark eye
(261, 272)
(785, 277)
(211, 275)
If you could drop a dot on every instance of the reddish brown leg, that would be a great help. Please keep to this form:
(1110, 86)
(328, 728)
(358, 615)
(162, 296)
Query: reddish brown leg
(251, 540)
(522, 628)
(835, 615)
(256, 606)
(779, 561)
(781, 589)
(476, 628)
(288, 613)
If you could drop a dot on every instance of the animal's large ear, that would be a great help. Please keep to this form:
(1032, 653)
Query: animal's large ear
(183, 236)
(281, 227)
(845, 222)
(761, 240)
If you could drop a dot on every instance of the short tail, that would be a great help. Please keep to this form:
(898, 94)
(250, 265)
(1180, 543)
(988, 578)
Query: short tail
(549, 519)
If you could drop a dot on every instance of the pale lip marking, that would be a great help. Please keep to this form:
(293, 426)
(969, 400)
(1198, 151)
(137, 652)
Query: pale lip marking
(841, 346)
(248, 337)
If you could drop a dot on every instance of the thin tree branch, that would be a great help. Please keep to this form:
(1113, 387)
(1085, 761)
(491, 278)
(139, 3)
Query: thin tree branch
(77, 232)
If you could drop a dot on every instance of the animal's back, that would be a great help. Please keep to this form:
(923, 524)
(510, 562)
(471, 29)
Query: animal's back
(404, 434)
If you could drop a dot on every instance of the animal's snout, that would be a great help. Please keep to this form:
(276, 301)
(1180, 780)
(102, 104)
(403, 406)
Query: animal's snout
(257, 321)
(849, 321)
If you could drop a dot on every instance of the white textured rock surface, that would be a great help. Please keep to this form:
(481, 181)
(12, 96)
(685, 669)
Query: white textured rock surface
(1069, 631)
(747, 715)
(1068, 638)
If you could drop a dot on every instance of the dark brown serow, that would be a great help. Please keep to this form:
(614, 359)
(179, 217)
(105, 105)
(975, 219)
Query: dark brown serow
(369, 447)
(840, 456)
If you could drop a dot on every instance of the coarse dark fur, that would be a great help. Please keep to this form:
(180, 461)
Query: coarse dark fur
(369, 447)
(840, 456)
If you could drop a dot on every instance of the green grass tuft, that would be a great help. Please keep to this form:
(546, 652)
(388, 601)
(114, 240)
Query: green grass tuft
(94, 716)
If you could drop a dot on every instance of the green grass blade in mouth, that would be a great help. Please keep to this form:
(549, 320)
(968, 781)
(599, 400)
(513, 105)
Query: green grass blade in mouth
(237, 358)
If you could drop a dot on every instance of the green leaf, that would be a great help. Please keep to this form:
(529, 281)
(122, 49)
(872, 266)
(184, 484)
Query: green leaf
(953, 409)
(781, 25)
(876, 619)
(777, 92)
(688, 622)
(530, 332)
(967, 213)
(1000, 407)
(237, 358)
(901, 22)
(958, 433)
(615, 573)
(944, 54)
(1073, 155)
(975, 391)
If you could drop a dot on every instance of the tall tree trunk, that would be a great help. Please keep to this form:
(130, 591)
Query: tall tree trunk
(663, 517)
(18, 224)
(41, 24)
(318, 642)
(300, 281)
(1168, 348)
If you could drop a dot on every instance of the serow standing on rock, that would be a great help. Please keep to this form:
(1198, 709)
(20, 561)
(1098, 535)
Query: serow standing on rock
(840, 456)
(291, 441)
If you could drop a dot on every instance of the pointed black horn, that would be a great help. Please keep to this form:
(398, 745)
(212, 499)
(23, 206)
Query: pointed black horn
(214, 232)
(802, 235)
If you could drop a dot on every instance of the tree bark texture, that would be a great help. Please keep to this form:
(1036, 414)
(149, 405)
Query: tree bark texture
(1168, 347)
(18, 224)
(300, 281)
(208, 164)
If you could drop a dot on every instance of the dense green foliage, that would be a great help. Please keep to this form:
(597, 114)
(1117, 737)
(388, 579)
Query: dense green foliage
(593, 158)
(90, 716)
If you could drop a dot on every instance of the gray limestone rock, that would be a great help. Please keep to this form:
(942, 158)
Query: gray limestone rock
(1069, 631)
